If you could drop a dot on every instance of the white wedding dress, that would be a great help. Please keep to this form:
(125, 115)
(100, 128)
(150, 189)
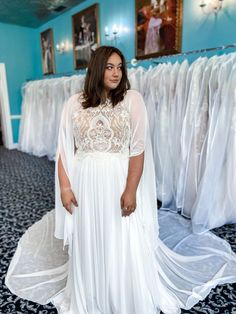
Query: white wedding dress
(113, 264)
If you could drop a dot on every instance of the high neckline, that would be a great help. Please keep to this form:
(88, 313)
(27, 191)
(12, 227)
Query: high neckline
(105, 103)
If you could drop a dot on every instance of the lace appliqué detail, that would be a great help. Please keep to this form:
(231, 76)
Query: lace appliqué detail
(102, 129)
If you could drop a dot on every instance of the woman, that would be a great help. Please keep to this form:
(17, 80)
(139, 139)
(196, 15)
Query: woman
(47, 56)
(106, 214)
(153, 40)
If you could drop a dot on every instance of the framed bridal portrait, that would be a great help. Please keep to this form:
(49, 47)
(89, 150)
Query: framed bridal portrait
(85, 35)
(158, 27)
(47, 52)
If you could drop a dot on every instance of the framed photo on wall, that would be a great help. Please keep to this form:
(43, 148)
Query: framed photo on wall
(47, 51)
(85, 35)
(158, 27)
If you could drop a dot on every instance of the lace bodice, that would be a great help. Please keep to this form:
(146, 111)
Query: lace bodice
(101, 129)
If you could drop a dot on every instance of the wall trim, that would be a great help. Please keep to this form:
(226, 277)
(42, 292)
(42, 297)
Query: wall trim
(16, 117)
(14, 146)
(5, 109)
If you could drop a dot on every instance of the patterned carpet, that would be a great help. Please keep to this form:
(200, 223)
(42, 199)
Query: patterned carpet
(26, 193)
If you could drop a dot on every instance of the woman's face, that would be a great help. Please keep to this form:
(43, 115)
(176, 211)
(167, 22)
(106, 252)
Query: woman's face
(113, 72)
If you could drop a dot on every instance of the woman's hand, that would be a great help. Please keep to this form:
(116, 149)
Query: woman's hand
(68, 198)
(128, 202)
(128, 198)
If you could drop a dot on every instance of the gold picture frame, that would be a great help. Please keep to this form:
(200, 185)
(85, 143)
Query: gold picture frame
(86, 37)
(158, 28)
(47, 52)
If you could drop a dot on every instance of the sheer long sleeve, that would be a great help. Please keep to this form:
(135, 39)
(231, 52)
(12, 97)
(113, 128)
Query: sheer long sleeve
(138, 116)
(140, 141)
(65, 150)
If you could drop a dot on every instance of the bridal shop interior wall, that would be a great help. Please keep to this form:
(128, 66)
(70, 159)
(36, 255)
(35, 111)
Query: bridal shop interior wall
(208, 30)
(110, 12)
(20, 46)
(199, 30)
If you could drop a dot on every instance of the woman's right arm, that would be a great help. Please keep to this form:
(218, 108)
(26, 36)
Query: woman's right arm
(67, 196)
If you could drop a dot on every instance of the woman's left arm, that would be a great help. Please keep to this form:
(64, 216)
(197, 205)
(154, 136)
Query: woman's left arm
(138, 126)
(128, 198)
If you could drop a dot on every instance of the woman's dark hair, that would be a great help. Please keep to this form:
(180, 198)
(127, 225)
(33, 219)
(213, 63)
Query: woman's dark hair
(94, 80)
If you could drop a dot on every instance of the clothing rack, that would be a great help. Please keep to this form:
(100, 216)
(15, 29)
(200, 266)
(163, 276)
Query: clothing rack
(58, 75)
(187, 53)
(55, 75)
(156, 60)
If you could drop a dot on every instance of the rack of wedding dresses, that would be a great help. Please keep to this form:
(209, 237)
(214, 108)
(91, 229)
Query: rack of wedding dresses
(192, 112)
(192, 117)
(42, 105)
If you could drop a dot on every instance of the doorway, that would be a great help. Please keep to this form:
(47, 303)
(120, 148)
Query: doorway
(5, 119)
(1, 140)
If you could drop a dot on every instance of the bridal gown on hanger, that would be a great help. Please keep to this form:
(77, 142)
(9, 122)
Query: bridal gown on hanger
(187, 130)
(113, 264)
(177, 117)
(158, 124)
(215, 204)
(169, 160)
(196, 133)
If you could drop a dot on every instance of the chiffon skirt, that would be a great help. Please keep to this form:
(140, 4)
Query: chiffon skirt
(115, 264)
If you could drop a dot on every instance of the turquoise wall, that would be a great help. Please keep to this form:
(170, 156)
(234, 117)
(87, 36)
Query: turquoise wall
(205, 31)
(20, 46)
(199, 30)
(110, 12)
